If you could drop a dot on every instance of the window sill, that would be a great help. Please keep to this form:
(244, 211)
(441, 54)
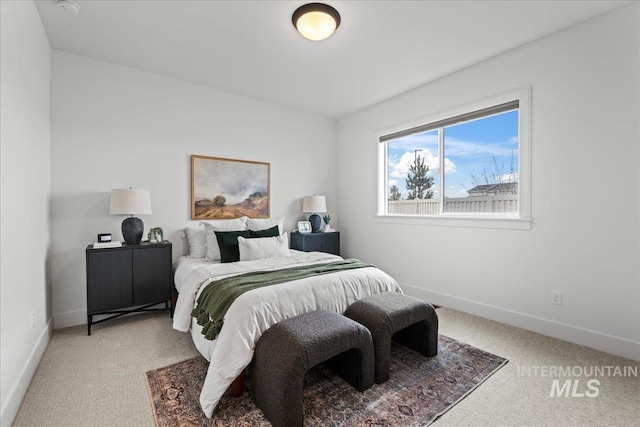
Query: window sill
(508, 223)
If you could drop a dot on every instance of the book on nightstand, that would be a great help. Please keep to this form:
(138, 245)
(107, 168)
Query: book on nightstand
(102, 245)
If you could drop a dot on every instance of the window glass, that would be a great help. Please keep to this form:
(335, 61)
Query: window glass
(482, 159)
(467, 164)
(413, 174)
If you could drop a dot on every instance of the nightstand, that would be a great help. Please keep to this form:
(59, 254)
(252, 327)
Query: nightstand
(129, 279)
(321, 242)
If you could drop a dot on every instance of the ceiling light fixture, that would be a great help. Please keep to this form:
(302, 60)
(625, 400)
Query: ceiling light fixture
(316, 21)
(68, 6)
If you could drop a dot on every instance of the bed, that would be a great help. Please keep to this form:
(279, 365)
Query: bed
(255, 311)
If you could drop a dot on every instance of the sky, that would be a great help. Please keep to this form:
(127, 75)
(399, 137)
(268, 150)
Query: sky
(233, 179)
(469, 150)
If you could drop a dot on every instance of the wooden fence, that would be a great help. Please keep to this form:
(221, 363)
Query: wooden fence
(507, 203)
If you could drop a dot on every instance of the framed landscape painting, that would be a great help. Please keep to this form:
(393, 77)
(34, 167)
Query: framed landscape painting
(227, 188)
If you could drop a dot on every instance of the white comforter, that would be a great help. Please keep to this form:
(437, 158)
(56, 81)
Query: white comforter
(255, 311)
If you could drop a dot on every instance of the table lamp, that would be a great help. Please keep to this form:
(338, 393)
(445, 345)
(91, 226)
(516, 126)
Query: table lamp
(131, 202)
(314, 205)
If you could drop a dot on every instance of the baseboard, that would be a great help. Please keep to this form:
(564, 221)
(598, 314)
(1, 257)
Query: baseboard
(585, 337)
(69, 318)
(11, 405)
(78, 317)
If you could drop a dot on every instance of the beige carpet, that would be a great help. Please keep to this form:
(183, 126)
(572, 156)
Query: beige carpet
(100, 380)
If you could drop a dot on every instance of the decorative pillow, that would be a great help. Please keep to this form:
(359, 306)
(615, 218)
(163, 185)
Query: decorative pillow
(256, 224)
(228, 244)
(210, 227)
(197, 242)
(266, 247)
(269, 232)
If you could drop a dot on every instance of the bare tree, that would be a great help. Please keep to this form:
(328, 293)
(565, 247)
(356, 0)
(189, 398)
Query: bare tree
(498, 176)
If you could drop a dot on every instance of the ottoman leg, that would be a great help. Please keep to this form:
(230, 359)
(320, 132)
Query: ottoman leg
(421, 337)
(281, 404)
(355, 366)
(432, 336)
(277, 390)
(382, 350)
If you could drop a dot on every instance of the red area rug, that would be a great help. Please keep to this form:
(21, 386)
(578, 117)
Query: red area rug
(420, 389)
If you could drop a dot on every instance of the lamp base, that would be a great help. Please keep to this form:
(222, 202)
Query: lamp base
(316, 222)
(132, 229)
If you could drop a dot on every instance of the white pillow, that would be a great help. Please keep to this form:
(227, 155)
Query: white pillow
(263, 247)
(257, 224)
(197, 242)
(210, 228)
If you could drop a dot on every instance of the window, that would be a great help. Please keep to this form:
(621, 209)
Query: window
(470, 164)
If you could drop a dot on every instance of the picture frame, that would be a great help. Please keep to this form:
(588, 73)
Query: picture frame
(304, 227)
(229, 188)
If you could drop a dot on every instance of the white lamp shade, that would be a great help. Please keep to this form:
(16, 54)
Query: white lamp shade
(311, 204)
(130, 202)
(316, 26)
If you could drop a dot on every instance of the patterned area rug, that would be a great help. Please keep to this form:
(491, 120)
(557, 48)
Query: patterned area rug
(420, 389)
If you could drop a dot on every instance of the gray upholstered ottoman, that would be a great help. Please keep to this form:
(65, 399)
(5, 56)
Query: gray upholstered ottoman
(406, 320)
(287, 350)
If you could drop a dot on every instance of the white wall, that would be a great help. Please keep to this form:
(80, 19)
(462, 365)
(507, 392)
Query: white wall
(25, 317)
(115, 127)
(585, 152)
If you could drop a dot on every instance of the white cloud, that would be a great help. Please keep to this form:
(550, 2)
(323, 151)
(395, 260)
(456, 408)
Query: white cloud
(399, 168)
(507, 177)
(455, 191)
(449, 166)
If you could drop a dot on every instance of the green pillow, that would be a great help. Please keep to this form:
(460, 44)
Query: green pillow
(228, 244)
(269, 232)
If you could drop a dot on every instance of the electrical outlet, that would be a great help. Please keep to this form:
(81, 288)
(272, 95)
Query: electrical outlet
(33, 319)
(556, 297)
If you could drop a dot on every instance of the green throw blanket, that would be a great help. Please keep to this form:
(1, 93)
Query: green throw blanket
(217, 297)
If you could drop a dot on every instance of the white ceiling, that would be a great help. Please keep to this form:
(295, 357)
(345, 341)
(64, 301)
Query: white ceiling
(250, 48)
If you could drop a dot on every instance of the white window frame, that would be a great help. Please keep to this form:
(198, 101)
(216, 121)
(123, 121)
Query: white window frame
(520, 220)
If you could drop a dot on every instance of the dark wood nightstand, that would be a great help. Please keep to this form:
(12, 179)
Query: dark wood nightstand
(321, 242)
(138, 276)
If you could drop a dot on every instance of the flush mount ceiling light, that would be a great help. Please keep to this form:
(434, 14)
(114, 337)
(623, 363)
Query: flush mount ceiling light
(68, 6)
(316, 21)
